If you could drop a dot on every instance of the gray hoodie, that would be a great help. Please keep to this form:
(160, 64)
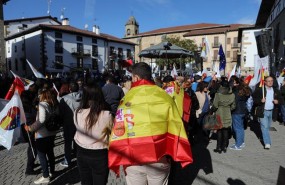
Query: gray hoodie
(68, 104)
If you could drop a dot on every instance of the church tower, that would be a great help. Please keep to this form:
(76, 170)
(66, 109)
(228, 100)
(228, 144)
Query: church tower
(131, 27)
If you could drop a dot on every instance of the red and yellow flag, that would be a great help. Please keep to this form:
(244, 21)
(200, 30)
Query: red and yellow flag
(147, 127)
(17, 85)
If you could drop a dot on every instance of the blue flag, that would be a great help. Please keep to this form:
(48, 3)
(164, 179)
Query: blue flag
(222, 58)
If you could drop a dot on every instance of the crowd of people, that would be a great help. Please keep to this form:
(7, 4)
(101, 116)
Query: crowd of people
(89, 110)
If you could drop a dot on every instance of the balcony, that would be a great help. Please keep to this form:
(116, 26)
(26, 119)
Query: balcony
(85, 66)
(80, 53)
(235, 45)
(216, 45)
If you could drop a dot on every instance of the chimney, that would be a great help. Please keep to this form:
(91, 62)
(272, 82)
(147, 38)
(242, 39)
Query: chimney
(96, 30)
(65, 22)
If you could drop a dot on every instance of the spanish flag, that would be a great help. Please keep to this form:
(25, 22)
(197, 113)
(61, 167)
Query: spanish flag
(181, 99)
(147, 127)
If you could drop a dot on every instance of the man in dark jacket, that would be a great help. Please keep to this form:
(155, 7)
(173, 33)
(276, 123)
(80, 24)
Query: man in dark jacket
(68, 104)
(112, 93)
(265, 105)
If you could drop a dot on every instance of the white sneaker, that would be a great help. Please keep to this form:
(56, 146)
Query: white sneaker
(267, 146)
(242, 145)
(42, 180)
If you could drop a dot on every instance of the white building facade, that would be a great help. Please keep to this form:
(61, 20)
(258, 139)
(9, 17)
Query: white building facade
(63, 48)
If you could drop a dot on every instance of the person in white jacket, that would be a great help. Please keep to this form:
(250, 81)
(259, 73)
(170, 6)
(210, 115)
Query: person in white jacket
(44, 138)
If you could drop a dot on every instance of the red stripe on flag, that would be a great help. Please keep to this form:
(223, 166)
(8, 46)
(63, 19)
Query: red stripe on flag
(142, 150)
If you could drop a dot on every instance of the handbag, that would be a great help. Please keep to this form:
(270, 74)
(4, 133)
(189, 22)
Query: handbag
(212, 122)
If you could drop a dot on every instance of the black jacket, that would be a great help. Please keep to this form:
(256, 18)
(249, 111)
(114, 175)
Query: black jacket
(240, 103)
(258, 106)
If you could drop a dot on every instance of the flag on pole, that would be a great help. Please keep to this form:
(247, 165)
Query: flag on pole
(239, 72)
(11, 118)
(18, 86)
(205, 48)
(174, 72)
(216, 69)
(35, 71)
(233, 72)
(248, 79)
(262, 78)
(27, 83)
(222, 58)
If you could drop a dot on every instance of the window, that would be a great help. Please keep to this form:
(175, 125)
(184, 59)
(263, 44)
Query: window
(112, 51)
(9, 64)
(128, 32)
(94, 40)
(120, 53)
(234, 55)
(95, 64)
(80, 48)
(58, 35)
(215, 57)
(228, 54)
(228, 40)
(216, 41)
(136, 32)
(23, 62)
(16, 64)
(15, 49)
(79, 38)
(80, 62)
(58, 48)
(23, 46)
(58, 61)
(8, 49)
(94, 51)
(129, 54)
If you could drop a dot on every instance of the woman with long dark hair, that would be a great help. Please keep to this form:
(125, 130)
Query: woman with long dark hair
(242, 93)
(93, 121)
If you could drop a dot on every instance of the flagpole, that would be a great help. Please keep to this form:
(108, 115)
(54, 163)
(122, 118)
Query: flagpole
(263, 91)
(30, 142)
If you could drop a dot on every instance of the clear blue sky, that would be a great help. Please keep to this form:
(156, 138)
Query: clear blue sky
(111, 15)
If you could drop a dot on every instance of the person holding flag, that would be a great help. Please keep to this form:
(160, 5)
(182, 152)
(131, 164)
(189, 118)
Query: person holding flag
(147, 131)
(266, 99)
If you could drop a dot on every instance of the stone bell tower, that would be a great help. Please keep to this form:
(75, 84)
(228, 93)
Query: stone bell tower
(131, 27)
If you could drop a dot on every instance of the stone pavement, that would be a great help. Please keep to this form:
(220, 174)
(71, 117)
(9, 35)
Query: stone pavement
(251, 166)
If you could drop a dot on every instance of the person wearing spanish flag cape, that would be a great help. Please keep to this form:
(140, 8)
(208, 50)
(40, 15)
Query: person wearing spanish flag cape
(147, 130)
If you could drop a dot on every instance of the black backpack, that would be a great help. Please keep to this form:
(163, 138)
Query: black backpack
(54, 120)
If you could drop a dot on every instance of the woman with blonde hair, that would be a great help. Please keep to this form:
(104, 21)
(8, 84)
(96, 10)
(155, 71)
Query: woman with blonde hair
(44, 137)
(93, 121)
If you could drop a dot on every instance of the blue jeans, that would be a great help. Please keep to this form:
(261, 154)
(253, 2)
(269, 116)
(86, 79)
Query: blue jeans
(283, 112)
(46, 155)
(238, 127)
(265, 124)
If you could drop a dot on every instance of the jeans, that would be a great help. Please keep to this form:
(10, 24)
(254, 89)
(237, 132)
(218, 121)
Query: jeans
(45, 150)
(238, 127)
(282, 107)
(265, 124)
(93, 166)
